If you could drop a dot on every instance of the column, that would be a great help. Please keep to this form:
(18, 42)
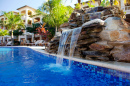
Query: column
(25, 38)
(3, 39)
(40, 37)
(19, 38)
(122, 5)
(26, 19)
(32, 20)
(32, 37)
(4, 26)
(20, 12)
(40, 19)
(26, 23)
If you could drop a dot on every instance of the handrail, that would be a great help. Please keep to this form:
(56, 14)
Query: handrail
(127, 7)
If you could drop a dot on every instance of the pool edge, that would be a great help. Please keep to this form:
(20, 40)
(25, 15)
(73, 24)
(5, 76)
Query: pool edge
(120, 66)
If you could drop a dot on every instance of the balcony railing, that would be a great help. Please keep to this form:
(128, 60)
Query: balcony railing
(28, 25)
(127, 7)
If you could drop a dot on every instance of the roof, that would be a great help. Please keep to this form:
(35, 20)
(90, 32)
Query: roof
(13, 11)
(26, 6)
(1, 15)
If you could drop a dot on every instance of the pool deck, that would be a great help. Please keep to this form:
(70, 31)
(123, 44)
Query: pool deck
(121, 66)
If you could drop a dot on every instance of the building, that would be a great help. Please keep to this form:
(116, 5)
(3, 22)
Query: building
(27, 13)
(126, 8)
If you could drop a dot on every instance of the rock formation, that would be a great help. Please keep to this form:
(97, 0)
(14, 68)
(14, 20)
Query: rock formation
(104, 36)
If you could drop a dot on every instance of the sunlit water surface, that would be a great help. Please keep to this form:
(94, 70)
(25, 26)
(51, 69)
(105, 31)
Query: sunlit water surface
(25, 67)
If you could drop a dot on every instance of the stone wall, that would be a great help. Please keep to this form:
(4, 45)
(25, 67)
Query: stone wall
(106, 38)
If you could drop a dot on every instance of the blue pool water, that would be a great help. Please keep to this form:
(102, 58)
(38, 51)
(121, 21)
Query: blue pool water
(26, 67)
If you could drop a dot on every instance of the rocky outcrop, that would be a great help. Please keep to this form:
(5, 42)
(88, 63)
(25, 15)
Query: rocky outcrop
(121, 53)
(106, 38)
(115, 30)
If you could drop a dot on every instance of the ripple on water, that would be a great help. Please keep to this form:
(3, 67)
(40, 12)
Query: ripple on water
(57, 68)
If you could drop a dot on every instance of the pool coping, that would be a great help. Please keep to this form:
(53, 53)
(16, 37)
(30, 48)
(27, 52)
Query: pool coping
(120, 66)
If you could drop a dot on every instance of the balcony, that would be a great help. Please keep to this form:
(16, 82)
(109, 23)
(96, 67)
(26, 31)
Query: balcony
(127, 9)
(29, 25)
(23, 17)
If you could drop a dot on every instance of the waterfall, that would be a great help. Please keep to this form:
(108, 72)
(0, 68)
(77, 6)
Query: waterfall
(62, 46)
(74, 38)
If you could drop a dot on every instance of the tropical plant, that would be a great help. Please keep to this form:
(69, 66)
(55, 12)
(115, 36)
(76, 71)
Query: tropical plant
(105, 3)
(13, 22)
(78, 6)
(3, 32)
(118, 2)
(16, 32)
(33, 28)
(56, 13)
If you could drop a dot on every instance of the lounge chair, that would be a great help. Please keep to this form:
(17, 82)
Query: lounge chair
(9, 43)
(22, 42)
(41, 42)
(36, 43)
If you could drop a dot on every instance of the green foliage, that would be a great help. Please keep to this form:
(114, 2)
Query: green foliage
(16, 33)
(56, 12)
(78, 6)
(33, 28)
(105, 3)
(3, 32)
(13, 21)
(50, 29)
(1, 23)
(91, 6)
(16, 42)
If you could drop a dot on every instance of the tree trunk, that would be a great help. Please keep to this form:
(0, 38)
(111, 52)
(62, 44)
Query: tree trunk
(111, 2)
(99, 2)
(79, 1)
(56, 30)
(12, 37)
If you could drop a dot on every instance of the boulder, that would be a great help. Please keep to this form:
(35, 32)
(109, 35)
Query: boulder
(100, 46)
(88, 41)
(86, 36)
(95, 53)
(121, 53)
(97, 58)
(115, 30)
(115, 23)
(119, 43)
(64, 25)
(94, 22)
(73, 24)
(114, 35)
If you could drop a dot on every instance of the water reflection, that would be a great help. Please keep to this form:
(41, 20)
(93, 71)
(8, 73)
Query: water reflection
(57, 68)
(6, 54)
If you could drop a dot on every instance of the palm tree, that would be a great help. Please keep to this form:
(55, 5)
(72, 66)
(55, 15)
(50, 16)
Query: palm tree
(13, 22)
(56, 13)
(111, 2)
(3, 32)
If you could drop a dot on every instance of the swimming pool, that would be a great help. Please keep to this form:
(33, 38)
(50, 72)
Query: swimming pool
(25, 67)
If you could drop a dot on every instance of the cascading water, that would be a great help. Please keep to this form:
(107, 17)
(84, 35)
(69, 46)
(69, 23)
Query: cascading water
(62, 46)
(74, 38)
